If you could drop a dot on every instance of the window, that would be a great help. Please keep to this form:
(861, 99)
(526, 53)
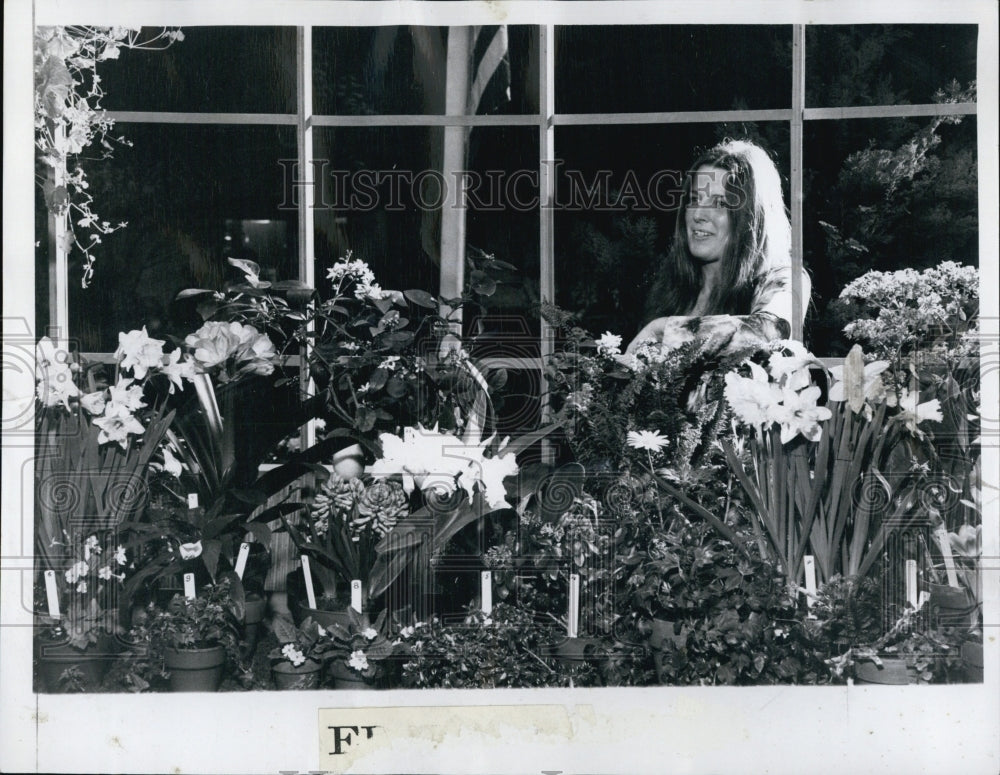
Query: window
(228, 125)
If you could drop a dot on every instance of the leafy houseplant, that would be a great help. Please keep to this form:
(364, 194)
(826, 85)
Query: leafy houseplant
(192, 639)
(361, 652)
(298, 661)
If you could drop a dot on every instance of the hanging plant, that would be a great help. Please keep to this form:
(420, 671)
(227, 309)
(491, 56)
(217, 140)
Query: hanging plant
(69, 119)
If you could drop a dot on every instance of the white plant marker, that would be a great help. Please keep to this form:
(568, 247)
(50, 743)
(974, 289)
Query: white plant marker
(356, 595)
(241, 559)
(486, 583)
(192, 500)
(307, 574)
(52, 594)
(573, 614)
(809, 564)
(941, 536)
(911, 582)
(189, 591)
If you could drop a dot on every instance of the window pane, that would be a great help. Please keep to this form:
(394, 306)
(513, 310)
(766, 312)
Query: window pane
(214, 69)
(192, 196)
(402, 70)
(883, 194)
(617, 206)
(666, 68)
(886, 64)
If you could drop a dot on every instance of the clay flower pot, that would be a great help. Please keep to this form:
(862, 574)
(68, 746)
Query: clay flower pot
(893, 672)
(304, 676)
(195, 670)
(90, 664)
(253, 615)
(349, 462)
(346, 678)
(972, 657)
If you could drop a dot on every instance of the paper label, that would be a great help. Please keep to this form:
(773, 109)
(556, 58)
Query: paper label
(241, 559)
(52, 594)
(486, 581)
(192, 500)
(307, 574)
(911, 582)
(573, 612)
(356, 595)
(189, 591)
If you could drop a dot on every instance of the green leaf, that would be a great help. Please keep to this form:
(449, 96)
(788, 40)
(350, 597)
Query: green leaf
(395, 387)
(421, 298)
(482, 283)
(284, 630)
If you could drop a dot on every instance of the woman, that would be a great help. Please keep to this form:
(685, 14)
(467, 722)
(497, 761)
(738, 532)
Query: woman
(728, 277)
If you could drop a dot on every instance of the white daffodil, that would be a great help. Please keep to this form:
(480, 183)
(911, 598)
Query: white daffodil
(139, 352)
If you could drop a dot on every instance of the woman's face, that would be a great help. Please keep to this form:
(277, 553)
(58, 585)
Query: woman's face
(707, 220)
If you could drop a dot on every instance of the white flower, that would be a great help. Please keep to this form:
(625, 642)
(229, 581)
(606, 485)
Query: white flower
(390, 363)
(76, 571)
(105, 573)
(120, 555)
(369, 633)
(93, 402)
(752, 400)
(293, 655)
(190, 551)
(81, 586)
(791, 370)
(648, 440)
(177, 370)
(53, 374)
(138, 352)
(609, 344)
(407, 632)
(91, 545)
(913, 413)
(358, 661)
(125, 397)
(172, 465)
(117, 426)
(801, 414)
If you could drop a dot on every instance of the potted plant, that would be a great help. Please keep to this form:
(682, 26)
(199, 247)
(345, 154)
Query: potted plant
(966, 546)
(361, 652)
(298, 661)
(193, 639)
(83, 638)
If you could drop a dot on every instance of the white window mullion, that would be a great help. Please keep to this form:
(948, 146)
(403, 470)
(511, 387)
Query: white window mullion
(59, 247)
(798, 105)
(547, 198)
(307, 193)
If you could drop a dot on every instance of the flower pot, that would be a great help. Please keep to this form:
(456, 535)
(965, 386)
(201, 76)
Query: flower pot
(574, 650)
(195, 670)
(893, 672)
(88, 666)
(972, 658)
(951, 605)
(304, 676)
(349, 462)
(298, 600)
(325, 618)
(253, 615)
(664, 632)
(346, 678)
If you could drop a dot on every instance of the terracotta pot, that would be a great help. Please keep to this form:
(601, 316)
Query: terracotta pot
(305, 676)
(893, 672)
(972, 657)
(253, 615)
(349, 462)
(195, 670)
(346, 678)
(326, 618)
(90, 664)
(574, 649)
(663, 632)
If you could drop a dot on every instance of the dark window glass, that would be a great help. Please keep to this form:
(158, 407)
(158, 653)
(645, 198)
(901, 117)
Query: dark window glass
(619, 188)
(402, 70)
(214, 70)
(192, 196)
(617, 69)
(884, 194)
(886, 64)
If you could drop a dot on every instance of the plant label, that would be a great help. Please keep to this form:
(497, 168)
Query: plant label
(356, 595)
(192, 500)
(241, 559)
(52, 594)
(809, 564)
(189, 591)
(307, 575)
(486, 582)
(911, 582)
(941, 536)
(573, 614)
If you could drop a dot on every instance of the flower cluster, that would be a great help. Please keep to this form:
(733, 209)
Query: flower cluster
(442, 463)
(231, 349)
(346, 271)
(349, 503)
(293, 655)
(897, 311)
(782, 394)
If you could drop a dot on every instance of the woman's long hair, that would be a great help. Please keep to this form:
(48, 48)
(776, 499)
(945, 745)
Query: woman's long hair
(760, 237)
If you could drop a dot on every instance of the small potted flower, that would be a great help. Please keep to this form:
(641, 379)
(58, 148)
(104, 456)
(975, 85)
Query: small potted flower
(297, 662)
(361, 651)
(76, 647)
(192, 639)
